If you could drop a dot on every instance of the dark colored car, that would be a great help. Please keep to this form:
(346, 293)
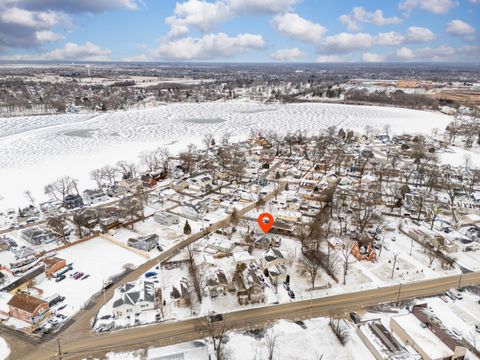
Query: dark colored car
(85, 277)
(60, 278)
(150, 274)
(355, 318)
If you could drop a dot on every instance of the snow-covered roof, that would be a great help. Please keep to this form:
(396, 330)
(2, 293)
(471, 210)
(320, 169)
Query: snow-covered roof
(425, 339)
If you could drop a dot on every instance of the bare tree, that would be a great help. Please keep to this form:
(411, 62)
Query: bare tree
(96, 175)
(346, 252)
(207, 140)
(29, 196)
(395, 255)
(217, 331)
(270, 341)
(57, 223)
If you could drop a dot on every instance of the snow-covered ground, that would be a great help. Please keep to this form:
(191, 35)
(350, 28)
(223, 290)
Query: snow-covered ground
(39, 149)
(89, 258)
(4, 349)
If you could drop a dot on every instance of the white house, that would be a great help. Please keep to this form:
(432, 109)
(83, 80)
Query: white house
(132, 298)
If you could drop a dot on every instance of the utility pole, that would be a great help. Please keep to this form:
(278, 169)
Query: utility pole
(59, 349)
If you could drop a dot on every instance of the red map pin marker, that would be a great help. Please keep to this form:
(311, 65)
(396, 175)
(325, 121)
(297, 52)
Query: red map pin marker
(265, 221)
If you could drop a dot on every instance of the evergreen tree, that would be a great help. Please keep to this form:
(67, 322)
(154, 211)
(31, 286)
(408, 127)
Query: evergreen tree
(187, 230)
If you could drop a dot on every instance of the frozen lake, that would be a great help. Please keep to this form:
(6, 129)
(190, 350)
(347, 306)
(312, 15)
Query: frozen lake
(36, 150)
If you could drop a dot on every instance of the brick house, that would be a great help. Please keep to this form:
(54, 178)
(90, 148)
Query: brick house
(28, 308)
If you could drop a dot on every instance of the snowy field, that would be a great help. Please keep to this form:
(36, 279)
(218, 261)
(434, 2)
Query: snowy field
(39, 149)
(89, 258)
(4, 349)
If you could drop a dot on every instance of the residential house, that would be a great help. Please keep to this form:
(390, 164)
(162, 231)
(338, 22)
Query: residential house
(145, 243)
(72, 201)
(221, 244)
(274, 265)
(94, 196)
(243, 257)
(37, 235)
(164, 218)
(149, 180)
(23, 253)
(200, 183)
(129, 185)
(249, 286)
(180, 294)
(28, 308)
(133, 298)
(218, 284)
(289, 216)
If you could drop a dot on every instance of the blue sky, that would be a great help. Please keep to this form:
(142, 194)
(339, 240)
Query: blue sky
(240, 30)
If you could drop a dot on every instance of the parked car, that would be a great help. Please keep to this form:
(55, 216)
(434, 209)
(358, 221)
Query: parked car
(301, 324)
(74, 274)
(291, 294)
(457, 294)
(355, 318)
(32, 219)
(285, 285)
(150, 274)
(457, 332)
(60, 278)
(78, 276)
(450, 295)
(85, 277)
(62, 307)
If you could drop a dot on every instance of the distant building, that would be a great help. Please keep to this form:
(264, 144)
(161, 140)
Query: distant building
(94, 196)
(164, 218)
(221, 244)
(72, 201)
(145, 243)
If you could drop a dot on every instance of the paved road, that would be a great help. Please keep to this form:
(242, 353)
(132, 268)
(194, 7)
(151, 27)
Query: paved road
(74, 347)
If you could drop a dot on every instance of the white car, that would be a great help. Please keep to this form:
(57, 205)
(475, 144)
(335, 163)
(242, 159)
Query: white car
(458, 295)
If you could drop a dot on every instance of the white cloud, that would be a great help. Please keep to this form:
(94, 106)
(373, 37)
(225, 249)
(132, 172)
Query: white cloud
(205, 15)
(261, 6)
(419, 34)
(371, 57)
(197, 13)
(440, 53)
(404, 53)
(346, 42)
(329, 59)
(21, 28)
(48, 36)
(299, 28)
(73, 6)
(208, 47)
(71, 51)
(389, 38)
(30, 19)
(461, 29)
(433, 6)
(287, 54)
(360, 15)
